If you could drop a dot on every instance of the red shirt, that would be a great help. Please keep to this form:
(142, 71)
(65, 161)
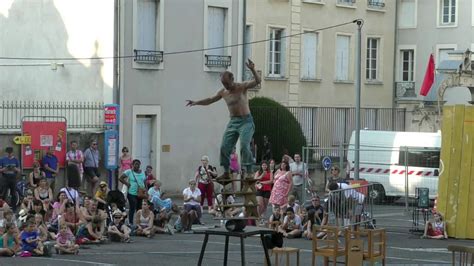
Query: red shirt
(266, 177)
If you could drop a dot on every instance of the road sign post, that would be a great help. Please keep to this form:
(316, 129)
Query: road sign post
(326, 162)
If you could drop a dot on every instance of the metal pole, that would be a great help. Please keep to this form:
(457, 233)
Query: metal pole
(359, 23)
(244, 27)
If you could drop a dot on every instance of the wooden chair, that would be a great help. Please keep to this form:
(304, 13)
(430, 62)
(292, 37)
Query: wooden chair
(329, 246)
(374, 246)
(285, 251)
(464, 254)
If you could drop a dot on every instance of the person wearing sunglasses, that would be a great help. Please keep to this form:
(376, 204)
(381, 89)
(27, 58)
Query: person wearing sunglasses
(91, 166)
(334, 173)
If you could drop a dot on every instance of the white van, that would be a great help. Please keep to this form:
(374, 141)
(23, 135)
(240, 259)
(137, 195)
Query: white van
(382, 161)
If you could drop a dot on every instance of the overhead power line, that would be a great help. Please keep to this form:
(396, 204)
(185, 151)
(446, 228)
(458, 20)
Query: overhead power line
(175, 52)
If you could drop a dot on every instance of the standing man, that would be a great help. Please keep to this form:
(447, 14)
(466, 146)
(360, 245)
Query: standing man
(91, 166)
(75, 157)
(51, 167)
(300, 173)
(241, 121)
(9, 168)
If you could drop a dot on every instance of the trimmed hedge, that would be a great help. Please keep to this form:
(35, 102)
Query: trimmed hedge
(279, 125)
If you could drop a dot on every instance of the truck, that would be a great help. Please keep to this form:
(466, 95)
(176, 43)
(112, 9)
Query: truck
(396, 162)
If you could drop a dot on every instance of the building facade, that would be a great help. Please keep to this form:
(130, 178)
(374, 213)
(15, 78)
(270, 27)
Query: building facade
(50, 30)
(170, 64)
(426, 27)
(316, 65)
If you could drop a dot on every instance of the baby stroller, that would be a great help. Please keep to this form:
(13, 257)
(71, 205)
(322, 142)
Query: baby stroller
(115, 197)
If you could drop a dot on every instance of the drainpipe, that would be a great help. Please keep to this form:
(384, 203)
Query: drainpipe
(244, 26)
(394, 91)
(116, 80)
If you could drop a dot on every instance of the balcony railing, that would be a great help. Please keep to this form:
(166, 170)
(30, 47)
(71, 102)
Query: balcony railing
(376, 3)
(249, 76)
(148, 56)
(218, 60)
(346, 2)
(406, 89)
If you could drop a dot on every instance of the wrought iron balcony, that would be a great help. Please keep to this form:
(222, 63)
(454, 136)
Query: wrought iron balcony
(218, 60)
(346, 2)
(148, 56)
(376, 3)
(406, 89)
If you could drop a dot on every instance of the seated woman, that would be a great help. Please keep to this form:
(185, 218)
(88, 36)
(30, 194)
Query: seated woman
(291, 227)
(44, 193)
(58, 208)
(118, 231)
(144, 220)
(436, 229)
(36, 175)
(9, 241)
(192, 209)
(91, 232)
(154, 196)
(72, 218)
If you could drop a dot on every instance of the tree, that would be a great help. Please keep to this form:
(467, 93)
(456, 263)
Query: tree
(280, 126)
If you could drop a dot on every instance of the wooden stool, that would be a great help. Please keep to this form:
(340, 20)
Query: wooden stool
(286, 251)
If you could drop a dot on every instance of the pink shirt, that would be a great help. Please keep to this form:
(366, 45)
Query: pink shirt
(75, 155)
(125, 164)
(64, 238)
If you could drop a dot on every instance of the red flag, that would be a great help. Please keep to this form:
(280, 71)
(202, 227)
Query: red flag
(429, 77)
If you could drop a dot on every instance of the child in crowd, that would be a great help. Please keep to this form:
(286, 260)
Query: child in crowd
(9, 242)
(275, 219)
(8, 217)
(30, 240)
(291, 227)
(117, 230)
(42, 229)
(150, 178)
(292, 203)
(65, 241)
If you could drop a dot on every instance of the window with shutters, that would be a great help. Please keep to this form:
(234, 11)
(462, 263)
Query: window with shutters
(147, 33)
(447, 12)
(217, 35)
(342, 57)
(407, 64)
(372, 59)
(309, 56)
(407, 14)
(276, 53)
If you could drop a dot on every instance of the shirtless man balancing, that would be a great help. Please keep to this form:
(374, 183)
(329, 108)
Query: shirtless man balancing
(241, 121)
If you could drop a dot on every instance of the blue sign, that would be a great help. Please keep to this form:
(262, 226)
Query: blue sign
(326, 163)
(111, 149)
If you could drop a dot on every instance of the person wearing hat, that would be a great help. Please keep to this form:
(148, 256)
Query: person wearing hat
(117, 230)
(101, 195)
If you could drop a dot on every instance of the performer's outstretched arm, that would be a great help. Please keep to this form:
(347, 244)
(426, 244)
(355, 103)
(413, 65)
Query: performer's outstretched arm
(206, 101)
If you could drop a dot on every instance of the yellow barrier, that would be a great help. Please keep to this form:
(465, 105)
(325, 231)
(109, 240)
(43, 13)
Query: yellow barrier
(456, 180)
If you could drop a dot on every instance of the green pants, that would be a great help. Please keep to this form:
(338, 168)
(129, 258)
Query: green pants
(243, 127)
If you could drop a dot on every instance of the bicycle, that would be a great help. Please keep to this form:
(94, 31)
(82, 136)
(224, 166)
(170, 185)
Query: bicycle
(20, 191)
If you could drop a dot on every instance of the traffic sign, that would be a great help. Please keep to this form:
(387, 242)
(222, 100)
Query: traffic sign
(22, 140)
(327, 162)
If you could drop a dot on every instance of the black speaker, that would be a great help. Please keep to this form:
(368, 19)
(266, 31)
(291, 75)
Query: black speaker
(423, 197)
(235, 225)
(73, 176)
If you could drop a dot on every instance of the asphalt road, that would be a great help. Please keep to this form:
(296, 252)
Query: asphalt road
(403, 248)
